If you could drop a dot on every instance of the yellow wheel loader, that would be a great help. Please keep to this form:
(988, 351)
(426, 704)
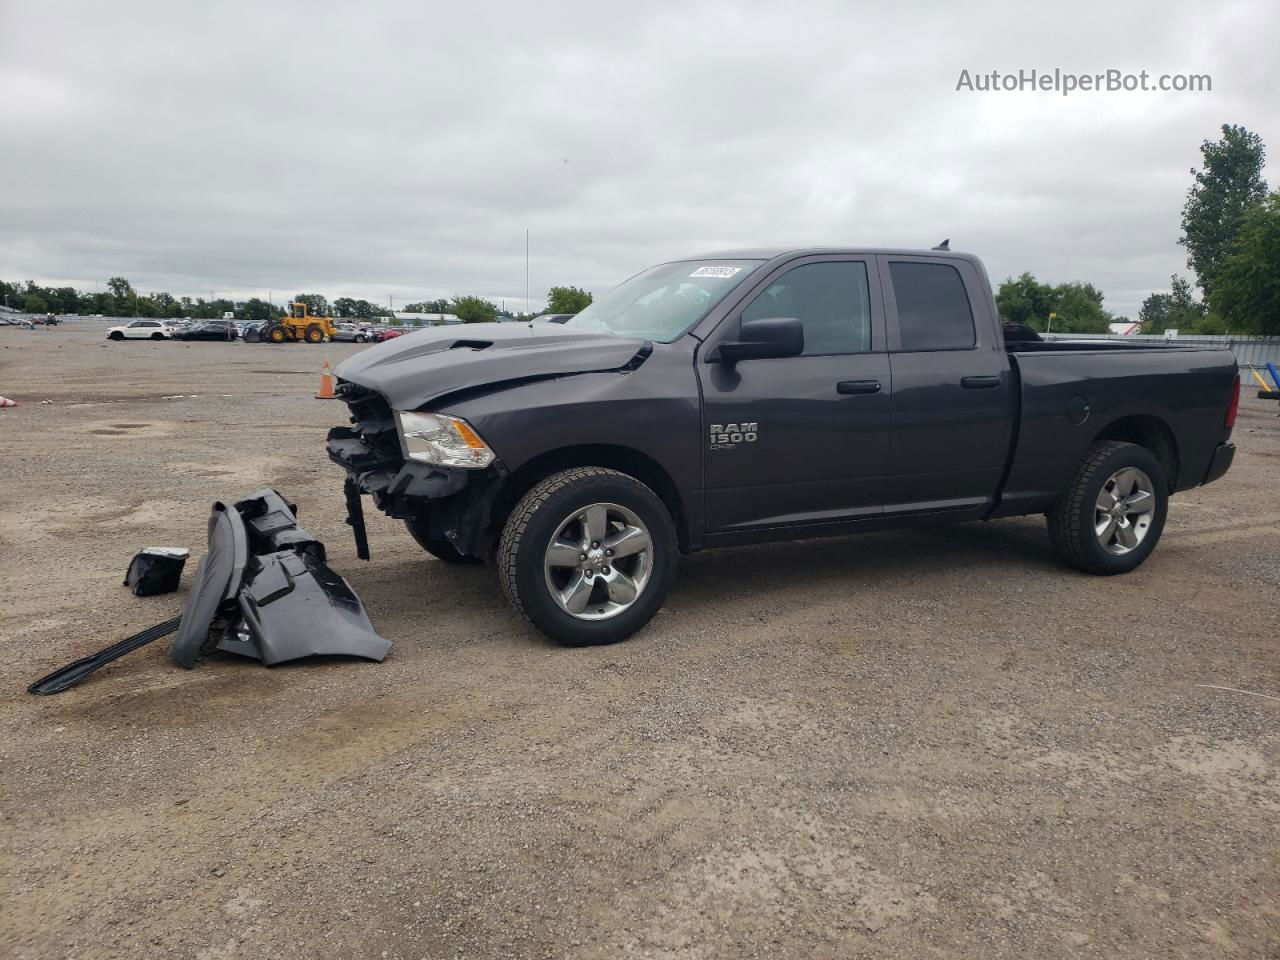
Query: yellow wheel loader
(299, 324)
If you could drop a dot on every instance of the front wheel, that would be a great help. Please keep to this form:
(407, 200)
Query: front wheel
(157, 336)
(359, 338)
(1111, 517)
(588, 556)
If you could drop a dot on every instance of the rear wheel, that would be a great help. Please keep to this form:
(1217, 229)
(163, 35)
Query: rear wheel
(588, 556)
(441, 549)
(1112, 516)
(315, 334)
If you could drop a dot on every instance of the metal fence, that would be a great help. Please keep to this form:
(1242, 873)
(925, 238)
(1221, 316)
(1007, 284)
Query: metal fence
(1249, 351)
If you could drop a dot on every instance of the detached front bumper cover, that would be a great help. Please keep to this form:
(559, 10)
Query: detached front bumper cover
(264, 591)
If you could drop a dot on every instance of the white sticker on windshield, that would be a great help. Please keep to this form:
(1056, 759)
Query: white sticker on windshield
(721, 272)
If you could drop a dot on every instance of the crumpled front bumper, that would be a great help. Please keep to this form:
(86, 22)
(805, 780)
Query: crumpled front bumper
(454, 503)
(391, 481)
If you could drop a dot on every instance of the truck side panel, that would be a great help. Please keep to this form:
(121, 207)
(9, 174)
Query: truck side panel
(654, 412)
(1069, 399)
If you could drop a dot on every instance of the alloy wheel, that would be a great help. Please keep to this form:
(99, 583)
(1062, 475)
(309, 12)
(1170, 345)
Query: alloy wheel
(599, 561)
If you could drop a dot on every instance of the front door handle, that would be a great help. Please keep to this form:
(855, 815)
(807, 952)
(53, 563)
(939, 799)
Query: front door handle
(979, 383)
(858, 386)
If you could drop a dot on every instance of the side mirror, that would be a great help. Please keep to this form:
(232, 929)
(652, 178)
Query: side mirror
(761, 339)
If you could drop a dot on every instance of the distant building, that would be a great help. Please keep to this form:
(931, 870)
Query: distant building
(425, 319)
(1126, 329)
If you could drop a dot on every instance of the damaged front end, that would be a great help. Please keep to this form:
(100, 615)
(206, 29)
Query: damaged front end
(414, 460)
(443, 503)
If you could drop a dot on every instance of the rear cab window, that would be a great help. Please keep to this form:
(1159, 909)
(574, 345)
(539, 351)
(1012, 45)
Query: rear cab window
(933, 307)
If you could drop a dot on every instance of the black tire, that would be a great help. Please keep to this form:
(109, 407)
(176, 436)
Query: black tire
(274, 334)
(115, 335)
(440, 549)
(1071, 521)
(359, 338)
(157, 336)
(314, 334)
(535, 521)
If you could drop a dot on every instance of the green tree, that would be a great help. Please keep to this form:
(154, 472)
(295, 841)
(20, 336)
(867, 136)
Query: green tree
(1230, 183)
(1025, 300)
(1176, 310)
(1246, 291)
(120, 288)
(317, 305)
(1079, 309)
(344, 307)
(428, 306)
(567, 300)
(473, 310)
(255, 308)
(1077, 306)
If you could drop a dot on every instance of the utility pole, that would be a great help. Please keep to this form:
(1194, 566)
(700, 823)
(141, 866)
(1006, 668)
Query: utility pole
(527, 305)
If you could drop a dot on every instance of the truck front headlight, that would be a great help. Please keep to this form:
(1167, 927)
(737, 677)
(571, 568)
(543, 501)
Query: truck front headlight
(441, 440)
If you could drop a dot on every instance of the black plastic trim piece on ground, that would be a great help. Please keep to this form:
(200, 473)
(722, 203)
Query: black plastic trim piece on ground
(65, 677)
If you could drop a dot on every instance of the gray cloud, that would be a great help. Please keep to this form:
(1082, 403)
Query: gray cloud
(403, 149)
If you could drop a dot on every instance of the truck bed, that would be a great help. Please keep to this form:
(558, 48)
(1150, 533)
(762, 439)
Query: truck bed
(1072, 392)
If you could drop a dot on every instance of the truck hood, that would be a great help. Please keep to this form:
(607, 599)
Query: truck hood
(413, 370)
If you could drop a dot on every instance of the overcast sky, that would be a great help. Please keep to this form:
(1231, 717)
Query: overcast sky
(372, 149)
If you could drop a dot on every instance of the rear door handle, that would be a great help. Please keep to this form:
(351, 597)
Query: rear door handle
(979, 383)
(858, 386)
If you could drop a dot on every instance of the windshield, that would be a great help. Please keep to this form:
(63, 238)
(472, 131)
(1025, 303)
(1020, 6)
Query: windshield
(663, 302)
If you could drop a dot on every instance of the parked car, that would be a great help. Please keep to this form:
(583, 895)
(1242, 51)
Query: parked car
(390, 333)
(352, 333)
(208, 330)
(140, 330)
(767, 395)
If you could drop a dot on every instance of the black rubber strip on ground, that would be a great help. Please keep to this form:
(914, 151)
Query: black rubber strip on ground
(68, 676)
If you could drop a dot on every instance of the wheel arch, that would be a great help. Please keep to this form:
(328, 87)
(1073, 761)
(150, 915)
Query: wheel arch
(615, 457)
(1150, 432)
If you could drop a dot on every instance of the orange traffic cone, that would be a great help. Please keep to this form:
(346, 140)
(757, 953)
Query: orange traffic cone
(6, 402)
(326, 385)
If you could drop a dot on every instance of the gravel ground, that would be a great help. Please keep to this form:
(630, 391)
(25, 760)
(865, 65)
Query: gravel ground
(932, 743)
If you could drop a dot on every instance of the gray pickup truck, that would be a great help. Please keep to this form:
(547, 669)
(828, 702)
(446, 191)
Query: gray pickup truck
(760, 395)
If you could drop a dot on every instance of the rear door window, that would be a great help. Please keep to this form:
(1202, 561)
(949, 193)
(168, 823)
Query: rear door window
(933, 307)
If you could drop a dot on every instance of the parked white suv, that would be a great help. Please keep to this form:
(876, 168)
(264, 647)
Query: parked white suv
(141, 330)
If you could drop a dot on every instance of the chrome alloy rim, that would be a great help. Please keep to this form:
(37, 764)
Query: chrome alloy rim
(1122, 515)
(599, 561)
